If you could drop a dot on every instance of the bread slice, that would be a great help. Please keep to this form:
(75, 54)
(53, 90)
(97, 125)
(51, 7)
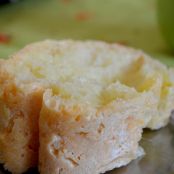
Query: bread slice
(95, 98)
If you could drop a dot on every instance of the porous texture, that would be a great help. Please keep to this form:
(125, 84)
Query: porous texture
(78, 139)
(95, 98)
(19, 112)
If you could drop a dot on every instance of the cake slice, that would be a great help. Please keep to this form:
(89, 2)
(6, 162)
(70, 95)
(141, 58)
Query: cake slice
(85, 102)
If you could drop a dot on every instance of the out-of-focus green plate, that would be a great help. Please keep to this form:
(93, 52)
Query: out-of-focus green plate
(131, 22)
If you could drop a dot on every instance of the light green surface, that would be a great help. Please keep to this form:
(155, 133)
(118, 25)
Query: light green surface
(166, 19)
(133, 22)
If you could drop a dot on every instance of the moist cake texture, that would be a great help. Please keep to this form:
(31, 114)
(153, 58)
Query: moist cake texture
(85, 103)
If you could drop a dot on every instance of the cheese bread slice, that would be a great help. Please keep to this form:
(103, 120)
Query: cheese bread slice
(85, 102)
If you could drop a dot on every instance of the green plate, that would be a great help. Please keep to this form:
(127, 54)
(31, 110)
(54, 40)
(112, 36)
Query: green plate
(130, 22)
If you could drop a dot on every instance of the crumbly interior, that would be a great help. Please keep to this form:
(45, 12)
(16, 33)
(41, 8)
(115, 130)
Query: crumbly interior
(99, 76)
(91, 74)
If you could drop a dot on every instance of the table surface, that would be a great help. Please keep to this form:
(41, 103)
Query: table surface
(133, 23)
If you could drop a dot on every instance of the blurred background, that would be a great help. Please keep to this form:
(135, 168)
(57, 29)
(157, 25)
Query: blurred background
(129, 22)
(133, 23)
